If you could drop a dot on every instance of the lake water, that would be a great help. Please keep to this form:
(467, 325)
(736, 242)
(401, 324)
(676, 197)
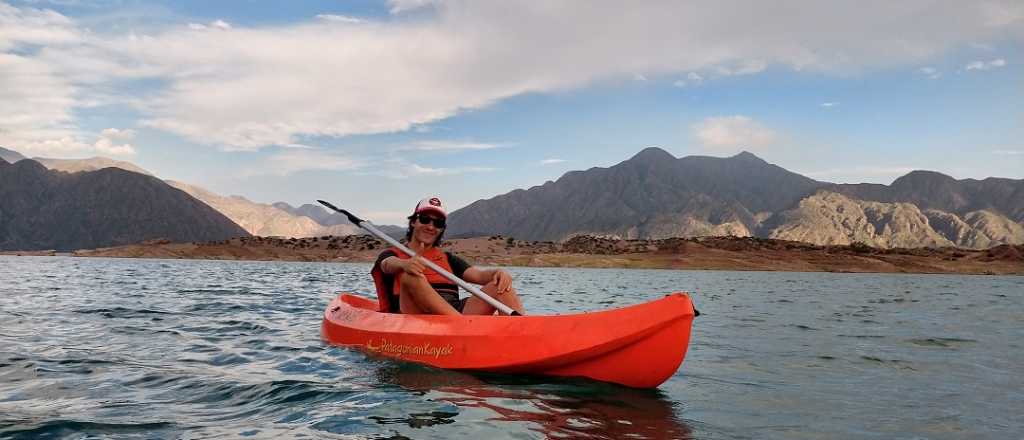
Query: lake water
(129, 348)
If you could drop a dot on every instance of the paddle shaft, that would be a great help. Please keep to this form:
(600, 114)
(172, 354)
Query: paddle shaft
(387, 238)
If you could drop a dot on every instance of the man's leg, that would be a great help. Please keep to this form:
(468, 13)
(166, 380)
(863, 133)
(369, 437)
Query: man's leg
(477, 306)
(419, 298)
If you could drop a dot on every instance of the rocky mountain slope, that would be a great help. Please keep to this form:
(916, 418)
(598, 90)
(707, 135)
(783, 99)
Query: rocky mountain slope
(265, 220)
(655, 195)
(10, 156)
(255, 218)
(45, 209)
(90, 164)
(323, 217)
(932, 190)
(651, 195)
(829, 218)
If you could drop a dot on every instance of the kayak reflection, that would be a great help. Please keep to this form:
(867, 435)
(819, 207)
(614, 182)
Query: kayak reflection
(556, 408)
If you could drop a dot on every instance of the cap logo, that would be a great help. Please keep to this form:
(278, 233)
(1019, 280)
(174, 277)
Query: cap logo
(435, 202)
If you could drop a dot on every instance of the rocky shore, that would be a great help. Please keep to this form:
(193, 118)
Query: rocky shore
(705, 253)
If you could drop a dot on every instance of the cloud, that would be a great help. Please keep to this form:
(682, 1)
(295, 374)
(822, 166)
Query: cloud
(405, 170)
(692, 79)
(106, 144)
(450, 146)
(427, 171)
(639, 77)
(29, 26)
(1008, 152)
(744, 68)
(340, 18)
(36, 101)
(293, 160)
(930, 72)
(829, 104)
(400, 6)
(257, 86)
(982, 65)
(551, 161)
(216, 24)
(732, 132)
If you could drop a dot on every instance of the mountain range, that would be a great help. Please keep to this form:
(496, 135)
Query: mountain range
(266, 220)
(279, 219)
(47, 209)
(656, 195)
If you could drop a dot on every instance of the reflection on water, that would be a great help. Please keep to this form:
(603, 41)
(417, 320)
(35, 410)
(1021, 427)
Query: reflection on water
(552, 407)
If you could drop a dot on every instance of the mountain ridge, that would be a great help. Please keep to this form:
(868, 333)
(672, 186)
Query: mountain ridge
(654, 195)
(47, 209)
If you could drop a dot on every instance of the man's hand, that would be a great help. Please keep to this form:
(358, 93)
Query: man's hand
(413, 266)
(502, 279)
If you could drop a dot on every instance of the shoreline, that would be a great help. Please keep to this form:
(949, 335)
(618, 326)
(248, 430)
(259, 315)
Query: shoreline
(702, 253)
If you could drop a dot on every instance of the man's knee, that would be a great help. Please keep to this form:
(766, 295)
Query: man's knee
(491, 289)
(409, 280)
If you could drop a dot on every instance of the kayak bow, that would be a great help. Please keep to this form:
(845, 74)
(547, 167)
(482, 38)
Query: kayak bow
(639, 346)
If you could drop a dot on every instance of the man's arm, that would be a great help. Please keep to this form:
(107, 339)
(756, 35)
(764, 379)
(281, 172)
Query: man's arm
(394, 265)
(484, 276)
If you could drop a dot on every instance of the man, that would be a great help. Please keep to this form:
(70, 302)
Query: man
(406, 285)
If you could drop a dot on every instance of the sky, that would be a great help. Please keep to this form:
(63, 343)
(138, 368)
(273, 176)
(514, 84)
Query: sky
(376, 104)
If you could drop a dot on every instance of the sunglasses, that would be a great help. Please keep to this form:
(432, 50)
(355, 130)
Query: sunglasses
(426, 219)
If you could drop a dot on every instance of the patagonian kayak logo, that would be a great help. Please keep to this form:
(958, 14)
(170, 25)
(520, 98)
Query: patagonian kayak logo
(425, 349)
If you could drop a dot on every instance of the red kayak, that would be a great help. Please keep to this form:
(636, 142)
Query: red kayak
(639, 346)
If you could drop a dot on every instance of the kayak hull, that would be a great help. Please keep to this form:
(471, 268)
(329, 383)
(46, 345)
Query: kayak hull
(638, 346)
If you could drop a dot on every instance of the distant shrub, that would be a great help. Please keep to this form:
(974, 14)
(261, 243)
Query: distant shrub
(861, 247)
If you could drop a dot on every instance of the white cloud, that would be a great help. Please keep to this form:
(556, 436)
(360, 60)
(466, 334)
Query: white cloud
(106, 144)
(293, 160)
(745, 68)
(729, 133)
(1008, 152)
(450, 146)
(255, 87)
(29, 26)
(930, 72)
(399, 169)
(639, 77)
(399, 6)
(829, 104)
(983, 65)
(216, 24)
(36, 108)
(551, 161)
(427, 171)
(692, 79)
(340, 18)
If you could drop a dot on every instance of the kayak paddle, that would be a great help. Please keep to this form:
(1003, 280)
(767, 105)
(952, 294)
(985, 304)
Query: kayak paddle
(365, 224)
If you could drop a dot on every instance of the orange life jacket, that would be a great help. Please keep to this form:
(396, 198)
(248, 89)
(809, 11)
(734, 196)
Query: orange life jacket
(387, 295)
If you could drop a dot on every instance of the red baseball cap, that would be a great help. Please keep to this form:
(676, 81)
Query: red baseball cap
(431, 205)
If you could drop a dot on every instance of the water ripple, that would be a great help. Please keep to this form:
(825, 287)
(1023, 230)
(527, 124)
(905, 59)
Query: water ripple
(120, 348)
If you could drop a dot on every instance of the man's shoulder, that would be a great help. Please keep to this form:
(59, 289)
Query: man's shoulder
(386, 253)
(453, 258)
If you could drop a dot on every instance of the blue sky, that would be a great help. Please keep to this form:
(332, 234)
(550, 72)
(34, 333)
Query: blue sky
(375, 104)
